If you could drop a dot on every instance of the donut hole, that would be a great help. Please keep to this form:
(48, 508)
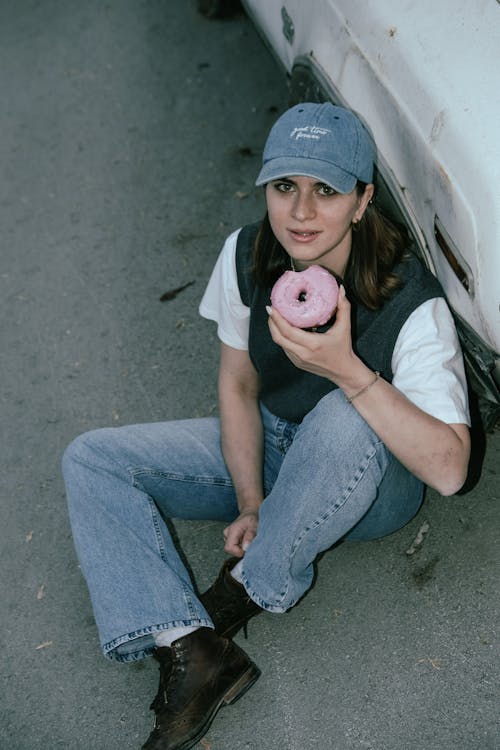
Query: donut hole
(302, 296)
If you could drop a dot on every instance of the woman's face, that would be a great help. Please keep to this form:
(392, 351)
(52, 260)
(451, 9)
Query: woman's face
(313, 222)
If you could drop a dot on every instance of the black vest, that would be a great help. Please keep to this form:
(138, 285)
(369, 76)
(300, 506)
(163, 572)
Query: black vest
(291, 393)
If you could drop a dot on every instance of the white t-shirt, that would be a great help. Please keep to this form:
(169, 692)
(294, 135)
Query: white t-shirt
(427, 362)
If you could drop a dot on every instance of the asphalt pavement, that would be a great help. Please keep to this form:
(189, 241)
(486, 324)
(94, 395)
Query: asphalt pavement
(130, 134)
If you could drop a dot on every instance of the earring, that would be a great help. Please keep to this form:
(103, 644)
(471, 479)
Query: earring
(355, 225)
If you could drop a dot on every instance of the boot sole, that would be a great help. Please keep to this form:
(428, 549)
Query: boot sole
(235, 692)
(241, 686)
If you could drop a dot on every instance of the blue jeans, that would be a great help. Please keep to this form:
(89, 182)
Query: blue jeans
(327, 479)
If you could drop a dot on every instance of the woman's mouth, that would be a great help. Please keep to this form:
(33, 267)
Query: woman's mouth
(303, 235)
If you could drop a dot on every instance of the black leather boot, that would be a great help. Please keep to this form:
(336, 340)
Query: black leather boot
(228, 604)
(199, 674)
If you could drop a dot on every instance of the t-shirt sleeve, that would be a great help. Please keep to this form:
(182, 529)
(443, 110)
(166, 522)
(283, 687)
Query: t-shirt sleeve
(221, 301)
(428, 366)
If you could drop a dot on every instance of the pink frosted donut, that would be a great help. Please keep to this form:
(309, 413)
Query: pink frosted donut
(306, 298)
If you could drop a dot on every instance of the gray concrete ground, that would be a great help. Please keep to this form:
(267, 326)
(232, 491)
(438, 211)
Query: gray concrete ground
(129, 141)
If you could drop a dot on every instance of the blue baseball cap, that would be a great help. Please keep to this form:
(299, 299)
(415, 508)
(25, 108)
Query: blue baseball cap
(322, 141)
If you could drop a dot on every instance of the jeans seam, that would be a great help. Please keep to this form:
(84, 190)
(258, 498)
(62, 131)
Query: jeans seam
(172, 476)
(358, 475)
(157, 529)
(361, 470)
(155, 516)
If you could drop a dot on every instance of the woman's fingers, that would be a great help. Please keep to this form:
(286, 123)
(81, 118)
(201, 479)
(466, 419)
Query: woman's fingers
(293, 340)
(343, 316)
(233, 544)
(281, 327)
(239, 534)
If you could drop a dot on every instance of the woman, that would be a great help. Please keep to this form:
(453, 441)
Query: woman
(321, 437)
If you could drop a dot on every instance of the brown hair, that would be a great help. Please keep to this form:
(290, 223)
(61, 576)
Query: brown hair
(378, 244)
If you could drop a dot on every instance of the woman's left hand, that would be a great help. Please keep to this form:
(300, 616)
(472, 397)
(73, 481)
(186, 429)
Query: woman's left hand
(241, 532)
(328, 354)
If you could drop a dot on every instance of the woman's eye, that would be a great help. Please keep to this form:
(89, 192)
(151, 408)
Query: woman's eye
(326, 190)
(283, 187)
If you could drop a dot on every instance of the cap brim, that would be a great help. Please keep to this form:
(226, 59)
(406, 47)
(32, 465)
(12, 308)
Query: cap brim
(337, 178)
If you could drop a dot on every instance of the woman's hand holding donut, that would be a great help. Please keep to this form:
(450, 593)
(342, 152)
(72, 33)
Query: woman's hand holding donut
(329, 354)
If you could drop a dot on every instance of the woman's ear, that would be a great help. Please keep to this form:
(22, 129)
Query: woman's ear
(364, 201)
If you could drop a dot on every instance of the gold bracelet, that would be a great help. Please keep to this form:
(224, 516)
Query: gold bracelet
(351, 399)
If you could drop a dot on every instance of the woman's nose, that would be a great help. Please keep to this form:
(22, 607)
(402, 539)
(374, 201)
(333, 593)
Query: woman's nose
(303, 207)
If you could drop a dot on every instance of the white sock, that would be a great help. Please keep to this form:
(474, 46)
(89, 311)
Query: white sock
(167, 637)
(236, 572)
